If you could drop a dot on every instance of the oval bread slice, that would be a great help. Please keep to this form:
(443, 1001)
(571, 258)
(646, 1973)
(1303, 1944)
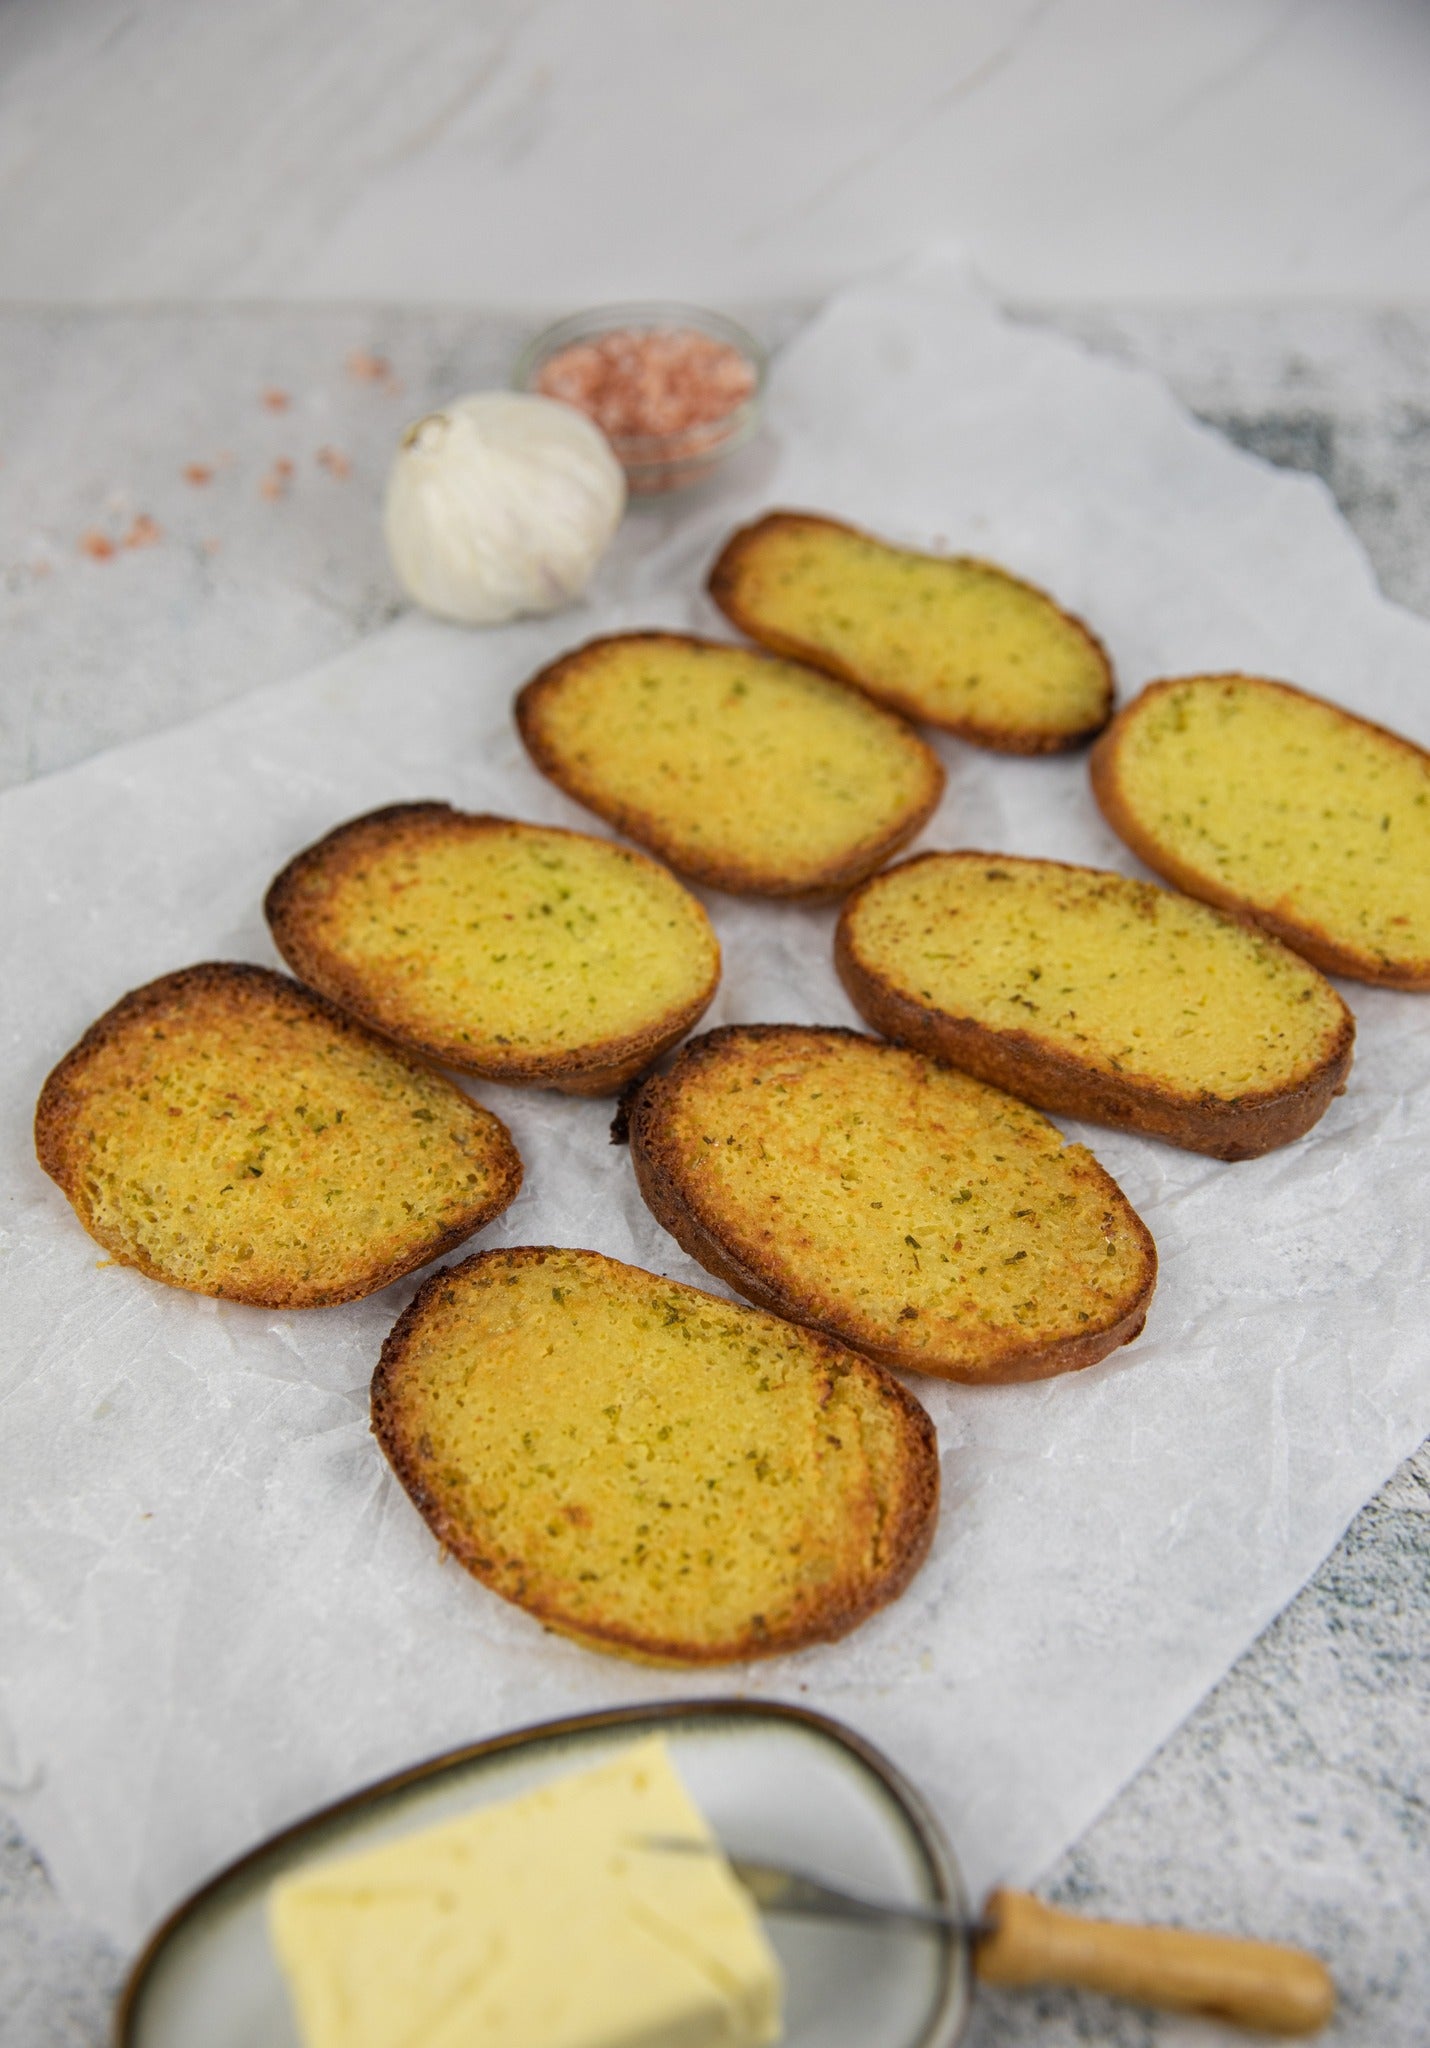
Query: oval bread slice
(1259, 797)
(1098, 996)
(656, 1472)
(520, 952)
(953, 641)
(745, 773)
(231, 1133)
(931, 1221)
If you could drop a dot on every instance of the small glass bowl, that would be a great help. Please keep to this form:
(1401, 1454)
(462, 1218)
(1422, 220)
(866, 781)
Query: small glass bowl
(656, 463)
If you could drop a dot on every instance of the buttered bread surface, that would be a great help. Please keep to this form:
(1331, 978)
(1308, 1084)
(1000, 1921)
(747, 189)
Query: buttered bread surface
(750, 774)
(1097, 995)
(932, 1221)
(1260, 797)
(649, 1469)
(228, 1132)
(520, 952)
(953, 641)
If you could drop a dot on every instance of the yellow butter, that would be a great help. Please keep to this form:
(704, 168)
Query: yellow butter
(538, 1923)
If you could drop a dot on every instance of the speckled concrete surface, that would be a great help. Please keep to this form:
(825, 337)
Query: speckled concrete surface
(1295, 1802)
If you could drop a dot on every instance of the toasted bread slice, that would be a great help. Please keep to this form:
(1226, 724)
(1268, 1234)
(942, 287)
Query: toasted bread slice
(647, 1468)
(1097, 996)
(934, 1223)
(228, 1132)
(747, 774)
(1261, 798)
(953, 641)
(519, 952)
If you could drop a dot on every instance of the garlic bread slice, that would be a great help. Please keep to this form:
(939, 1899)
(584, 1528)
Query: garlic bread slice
(931, 1221)
(949, 640)
(231, 1133)
(659, 1473)
(523, 953)
(748, 774)
(1098, 996)
(1262, 798)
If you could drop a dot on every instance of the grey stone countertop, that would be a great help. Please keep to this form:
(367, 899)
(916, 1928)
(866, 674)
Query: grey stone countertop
(186, 511)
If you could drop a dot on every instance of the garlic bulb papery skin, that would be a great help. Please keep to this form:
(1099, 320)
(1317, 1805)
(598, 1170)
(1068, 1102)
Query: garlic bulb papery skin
(501, 504)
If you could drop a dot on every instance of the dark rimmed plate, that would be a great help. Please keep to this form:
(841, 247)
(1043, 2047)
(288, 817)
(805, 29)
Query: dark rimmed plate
(777, 1783)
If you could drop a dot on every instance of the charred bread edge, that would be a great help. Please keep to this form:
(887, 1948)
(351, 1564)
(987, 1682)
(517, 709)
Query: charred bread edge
(822, 886)
(659, 1185)
(56, 1103)
(907, 1543)
(1052, 1079)
(1311, 941)
(599, 1069)
(723, 586)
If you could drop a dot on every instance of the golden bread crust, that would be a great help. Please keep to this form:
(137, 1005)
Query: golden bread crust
(728, 587)
(810, 1587)
(300, 908)
(1334, 952)
(774, 1264)
(538, 709)
(1243, 1125)
(236, 1000)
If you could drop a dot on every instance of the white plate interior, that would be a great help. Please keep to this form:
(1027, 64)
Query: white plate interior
(779, 1788)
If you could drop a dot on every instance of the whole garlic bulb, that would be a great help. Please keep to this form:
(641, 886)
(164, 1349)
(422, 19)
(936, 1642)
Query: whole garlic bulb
(501, 504)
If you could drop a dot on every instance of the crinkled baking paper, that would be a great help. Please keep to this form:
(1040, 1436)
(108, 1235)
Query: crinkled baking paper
(218, 1609)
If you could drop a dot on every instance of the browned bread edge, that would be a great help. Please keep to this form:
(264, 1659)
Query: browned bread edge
(1055, 1080)
(600, 1069)
(829, 883)
(56, 1107)
(1312, 941)
(907, 1543)
(659, 1182)
(723, 584)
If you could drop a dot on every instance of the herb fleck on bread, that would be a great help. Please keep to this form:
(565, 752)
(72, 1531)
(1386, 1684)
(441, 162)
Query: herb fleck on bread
(656, 1472)
(933, 1222)
(747, 774)
(520, 952)
(953, 641)
(231, 1133)
(1098, 996)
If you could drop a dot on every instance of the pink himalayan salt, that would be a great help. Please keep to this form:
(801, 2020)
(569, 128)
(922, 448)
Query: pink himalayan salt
(647, 382)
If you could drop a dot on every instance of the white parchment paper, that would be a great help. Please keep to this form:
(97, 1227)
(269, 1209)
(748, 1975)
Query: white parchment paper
(217, 1609)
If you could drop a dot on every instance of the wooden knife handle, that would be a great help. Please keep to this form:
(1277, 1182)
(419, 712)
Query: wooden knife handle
(1250, 1983)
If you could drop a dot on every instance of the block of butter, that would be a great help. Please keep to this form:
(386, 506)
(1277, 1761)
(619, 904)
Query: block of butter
(542, 1922)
